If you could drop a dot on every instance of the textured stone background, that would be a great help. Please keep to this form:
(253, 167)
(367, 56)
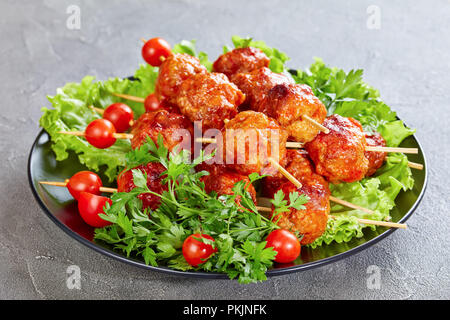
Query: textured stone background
(408, 60)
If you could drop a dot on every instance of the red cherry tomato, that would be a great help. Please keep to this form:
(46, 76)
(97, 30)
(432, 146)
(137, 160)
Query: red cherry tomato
(120, 116)
(286, 245)
(89, 206)
(196, 252)
(151, 103)
(154, 49)
(100, 133)
(84, 181)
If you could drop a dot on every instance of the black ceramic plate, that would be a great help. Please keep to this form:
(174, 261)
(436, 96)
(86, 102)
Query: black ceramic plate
(60, 207)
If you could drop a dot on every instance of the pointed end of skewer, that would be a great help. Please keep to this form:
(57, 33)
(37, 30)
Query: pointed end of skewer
(123, 136)
(143, 40)
(72, 133)
(264, 209)
(55, 183)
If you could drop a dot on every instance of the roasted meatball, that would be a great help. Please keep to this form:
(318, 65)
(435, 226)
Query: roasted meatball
(154, 182)
(222, 181)
(250, 139)
(214, 169)
(240, 60)
(299, 165)
(376, 159)
(288, 103)
(210, 98)
(256, 85)
(175, 129)
(340, 154)
(173, 71)
(170, 107)
(310, 222)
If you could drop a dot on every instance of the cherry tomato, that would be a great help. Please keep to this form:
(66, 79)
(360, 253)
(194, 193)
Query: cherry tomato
(84, 181)
(120, 116)
(286, 245)
(196, 252)
(154, 49)
(89, 206)
(100, 133)
(151, 103)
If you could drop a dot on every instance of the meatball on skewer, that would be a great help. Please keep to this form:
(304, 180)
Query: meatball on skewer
(175, 129)
(301, 171)
(297, 109)
(311, 222)
(210, 98)
(154, 182)
(294, 106)
(250, 140)
(376, 159)
(300, 167)
(222, 180)
(241, 60)
(256, 84)
(173, 72)
(340, 154)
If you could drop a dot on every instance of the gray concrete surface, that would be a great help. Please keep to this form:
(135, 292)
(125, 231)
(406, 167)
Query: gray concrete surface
(407, 59)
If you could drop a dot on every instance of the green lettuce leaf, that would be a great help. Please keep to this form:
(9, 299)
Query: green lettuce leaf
(376, 116)
(71, 113)
(334, 86)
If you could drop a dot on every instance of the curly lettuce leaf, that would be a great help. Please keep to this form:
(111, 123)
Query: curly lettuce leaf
(377, 193)
(376, 116)
(71, 113)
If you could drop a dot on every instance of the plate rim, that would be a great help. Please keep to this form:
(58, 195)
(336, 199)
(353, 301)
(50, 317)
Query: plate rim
(215, 275)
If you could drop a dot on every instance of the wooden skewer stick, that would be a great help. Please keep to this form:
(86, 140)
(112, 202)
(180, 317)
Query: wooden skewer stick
(316, 124)
(285, 173)
(289, 144)
(64, 184)
(294, 145)
(128, 97)
(115, 135)
(380, 223)
(263, 209)
(363, 221)
(350, 205)
(299, 145)
(143, 40)
(414, 165)
(98, 110)
(392, 149)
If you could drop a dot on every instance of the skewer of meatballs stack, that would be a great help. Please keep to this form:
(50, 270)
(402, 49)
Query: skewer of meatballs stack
(248, 120)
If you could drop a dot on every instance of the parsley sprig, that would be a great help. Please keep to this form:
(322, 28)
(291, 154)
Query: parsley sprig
(296, 201)
(157, 236)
